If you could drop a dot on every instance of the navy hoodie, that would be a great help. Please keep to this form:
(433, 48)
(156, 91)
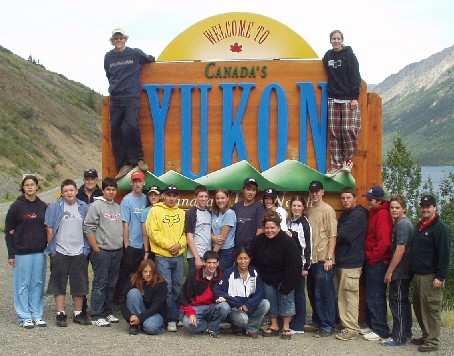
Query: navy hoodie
(26, 218)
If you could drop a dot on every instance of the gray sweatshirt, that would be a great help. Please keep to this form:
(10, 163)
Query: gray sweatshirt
(104, 220)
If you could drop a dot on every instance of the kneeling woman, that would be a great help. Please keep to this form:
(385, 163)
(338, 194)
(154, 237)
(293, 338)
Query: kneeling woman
(279, 264)
(143, 302)
(242, 288)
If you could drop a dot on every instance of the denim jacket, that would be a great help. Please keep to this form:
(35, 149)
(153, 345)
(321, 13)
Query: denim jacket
(54, 214)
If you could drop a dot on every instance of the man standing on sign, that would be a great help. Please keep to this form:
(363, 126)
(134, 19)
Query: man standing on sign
(122, 65)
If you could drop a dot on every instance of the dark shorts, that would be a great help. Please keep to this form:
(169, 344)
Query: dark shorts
(63, 267)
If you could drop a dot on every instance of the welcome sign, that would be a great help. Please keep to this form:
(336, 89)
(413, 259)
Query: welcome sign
(241, 95)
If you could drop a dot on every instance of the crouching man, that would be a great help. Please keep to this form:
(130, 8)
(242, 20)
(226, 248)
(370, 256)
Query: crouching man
(202, 313)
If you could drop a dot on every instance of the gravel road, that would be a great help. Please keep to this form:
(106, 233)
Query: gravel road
(90, 340)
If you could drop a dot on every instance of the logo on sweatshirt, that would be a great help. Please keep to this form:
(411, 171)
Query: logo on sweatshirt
(171, 219)
(30, 216)
(335, 64)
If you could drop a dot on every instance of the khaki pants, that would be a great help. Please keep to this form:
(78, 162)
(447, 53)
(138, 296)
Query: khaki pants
(427, 306)
(347, 287)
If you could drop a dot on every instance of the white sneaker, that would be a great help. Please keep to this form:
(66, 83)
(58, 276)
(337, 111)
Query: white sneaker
(347, 166)
(40, 322)
(28, 324)
(365, 330)
(112, 319)
(383, 340)
(296, 332)
(371, 337)
(100, 322)
(172, 326)
(332, 172)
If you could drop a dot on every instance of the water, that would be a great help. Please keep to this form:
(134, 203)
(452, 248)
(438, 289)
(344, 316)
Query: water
(436, 174)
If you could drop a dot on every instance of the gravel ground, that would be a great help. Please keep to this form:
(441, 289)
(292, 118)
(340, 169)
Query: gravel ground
(91, 340)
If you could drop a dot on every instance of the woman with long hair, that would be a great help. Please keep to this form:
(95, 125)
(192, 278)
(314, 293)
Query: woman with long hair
(301, 231)
(278, 261)
(26, 240)
(242, 288)
(223, 226)
(143, 302)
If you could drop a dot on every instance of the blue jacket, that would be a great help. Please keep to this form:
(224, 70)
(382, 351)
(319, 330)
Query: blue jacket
(231, 287)
(54, 214)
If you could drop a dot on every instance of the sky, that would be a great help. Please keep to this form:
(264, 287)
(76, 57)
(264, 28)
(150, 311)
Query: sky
(71, 37)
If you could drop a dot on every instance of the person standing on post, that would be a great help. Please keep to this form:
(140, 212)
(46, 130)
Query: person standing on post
(344, 119)
(122, 65)
(430, 255)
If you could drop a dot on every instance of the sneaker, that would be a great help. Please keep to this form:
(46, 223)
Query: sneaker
(141, 164)
(81, 319)
(347, 334)
(393, 343)
(101, 322)
(385, 339)
(112, 319)
(28, 324)
(365, 330)
(123, 171)
(133, 329)
(225, 326)
(332, 172)
(180, 324)
(213, 333)
(347, 166)
(60, 320)
(371, 336)
(427, 348)
(322, 333)
(40, 322)
(172, 326)
(296, 332)
(265, 323)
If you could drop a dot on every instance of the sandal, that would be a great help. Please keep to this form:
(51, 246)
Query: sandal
(286, 335)
(270, 332)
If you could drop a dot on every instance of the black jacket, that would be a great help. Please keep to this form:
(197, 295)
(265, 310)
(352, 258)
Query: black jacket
(351, 234)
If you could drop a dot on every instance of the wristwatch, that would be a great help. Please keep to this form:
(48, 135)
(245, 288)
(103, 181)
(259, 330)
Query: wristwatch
(329, 258)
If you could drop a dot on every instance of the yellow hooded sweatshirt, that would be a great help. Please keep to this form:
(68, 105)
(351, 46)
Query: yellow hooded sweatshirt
(165, 226)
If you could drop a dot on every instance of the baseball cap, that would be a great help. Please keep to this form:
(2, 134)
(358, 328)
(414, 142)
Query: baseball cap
(375, 192)
(427, 200)
(137, 175)
(315, 186)
(118, 30)
(90, 173)
(250, 181)
(270, 192)
(154, 189)
(172, 188)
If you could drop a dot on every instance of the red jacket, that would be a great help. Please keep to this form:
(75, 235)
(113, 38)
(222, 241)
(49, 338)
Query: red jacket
(378, 236)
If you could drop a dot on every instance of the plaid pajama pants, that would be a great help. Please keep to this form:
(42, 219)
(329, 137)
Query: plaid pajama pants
(343, 125)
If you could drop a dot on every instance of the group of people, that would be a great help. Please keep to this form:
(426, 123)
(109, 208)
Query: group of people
(246, 263)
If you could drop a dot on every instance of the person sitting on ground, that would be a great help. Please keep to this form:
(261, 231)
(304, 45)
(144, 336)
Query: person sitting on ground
(201, 311)
(242, 287)
(143, 301)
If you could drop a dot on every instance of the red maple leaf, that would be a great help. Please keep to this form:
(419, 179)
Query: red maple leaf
(236, 47)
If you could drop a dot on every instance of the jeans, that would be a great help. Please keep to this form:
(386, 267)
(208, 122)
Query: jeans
(299, 319)
(320, 287)
(106, 265)
(172, 270)
(125, 132)
(208, 317)
(226, 258)
(400, 306)
(29, 277)
(279, 306)
(153, 324)
(375, 292)
(252, 319)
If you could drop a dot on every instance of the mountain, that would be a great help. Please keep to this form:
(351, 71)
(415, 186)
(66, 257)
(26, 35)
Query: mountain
(49, 125)
(418, 104)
